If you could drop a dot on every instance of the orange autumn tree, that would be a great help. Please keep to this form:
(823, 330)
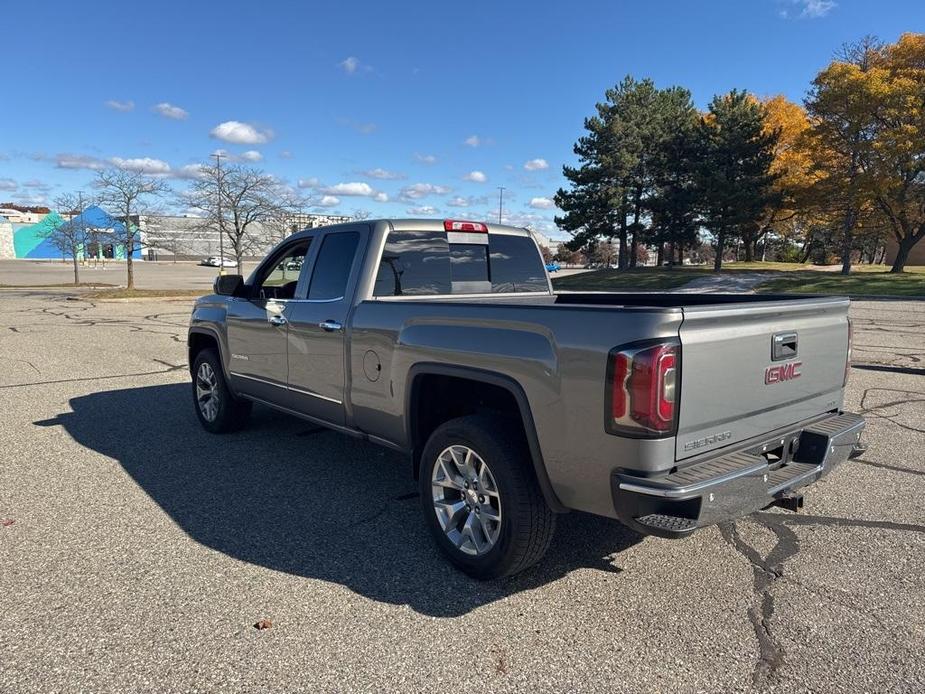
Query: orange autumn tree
(789, 216)
(896, 159)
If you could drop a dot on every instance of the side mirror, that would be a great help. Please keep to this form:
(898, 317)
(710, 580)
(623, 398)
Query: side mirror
(229, 285)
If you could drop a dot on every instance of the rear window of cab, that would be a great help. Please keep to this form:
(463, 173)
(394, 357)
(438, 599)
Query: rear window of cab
(416, 263)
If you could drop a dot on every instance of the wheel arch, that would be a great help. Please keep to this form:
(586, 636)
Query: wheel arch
(200, 338)
(416, 431)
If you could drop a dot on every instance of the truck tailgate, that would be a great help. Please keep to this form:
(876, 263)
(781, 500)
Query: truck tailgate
(747, 369)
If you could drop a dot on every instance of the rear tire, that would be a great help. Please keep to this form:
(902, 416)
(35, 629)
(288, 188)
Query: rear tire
(218, 409)
(480, 462)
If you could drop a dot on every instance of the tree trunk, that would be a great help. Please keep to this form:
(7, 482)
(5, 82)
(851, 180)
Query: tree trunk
(749, 251)
(129, 250)
(660, 255)
(720, 247)
(846, 242)
(621, 257)
(76, 269)
(637, 209)
(902, 253)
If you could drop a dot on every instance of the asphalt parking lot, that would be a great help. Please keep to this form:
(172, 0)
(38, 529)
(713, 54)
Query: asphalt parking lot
(137, 551)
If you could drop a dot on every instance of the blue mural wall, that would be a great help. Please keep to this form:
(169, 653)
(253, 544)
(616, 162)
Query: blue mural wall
(30, 240)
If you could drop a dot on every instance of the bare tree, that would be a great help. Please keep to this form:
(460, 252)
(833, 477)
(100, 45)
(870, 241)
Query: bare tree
(70, 236)
(252, 203)
(127, 193)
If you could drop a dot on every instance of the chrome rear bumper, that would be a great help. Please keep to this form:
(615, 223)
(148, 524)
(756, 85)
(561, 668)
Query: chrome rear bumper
(735, 484)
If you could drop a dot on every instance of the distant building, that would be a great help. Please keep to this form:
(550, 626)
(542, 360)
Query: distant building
(24, 234)
(191, 238)
(545, 241)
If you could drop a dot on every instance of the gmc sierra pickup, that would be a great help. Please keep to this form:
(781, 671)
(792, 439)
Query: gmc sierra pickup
(444, 340)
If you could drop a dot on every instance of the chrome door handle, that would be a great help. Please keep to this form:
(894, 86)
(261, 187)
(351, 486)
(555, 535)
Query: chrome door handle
(277, 320)
(330, 326)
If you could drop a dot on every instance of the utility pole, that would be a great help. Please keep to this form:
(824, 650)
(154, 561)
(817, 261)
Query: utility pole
(500, 202)
(221, 230)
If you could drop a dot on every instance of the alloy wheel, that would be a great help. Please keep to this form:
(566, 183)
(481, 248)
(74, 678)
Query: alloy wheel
(466, 500)
(207, 396)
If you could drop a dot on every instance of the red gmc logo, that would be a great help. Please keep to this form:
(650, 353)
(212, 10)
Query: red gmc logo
(782, 372)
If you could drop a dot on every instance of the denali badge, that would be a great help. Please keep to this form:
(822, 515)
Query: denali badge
(782, 372)
(707, 440)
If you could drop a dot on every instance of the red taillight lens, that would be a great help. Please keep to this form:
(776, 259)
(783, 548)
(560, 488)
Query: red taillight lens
(456, 225)
(848, 356)
(642, 389)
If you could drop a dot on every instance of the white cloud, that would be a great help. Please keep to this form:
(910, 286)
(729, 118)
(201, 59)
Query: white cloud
(350, 64)
(8, 185)
(420, 190)
(809, 9)
(240, 133)
(251, 155)
(381, 197)
(190, 171)
(542, 203)
(329, 201)
(311, 182)
(536, 165)
(36, 184)
(171, 111)
(356, 188)
(79, 161)
(384, 174)
(285, 154)
(459, 201)
(123, 106)
(473, 141)
(145, 165)
(423, 211)
(425, 158)
(530, 220)
(475, 177)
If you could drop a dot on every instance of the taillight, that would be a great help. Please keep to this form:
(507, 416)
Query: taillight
(848, 356)
(642, 389)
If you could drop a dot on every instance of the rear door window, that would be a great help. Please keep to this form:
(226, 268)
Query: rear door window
(332, 267)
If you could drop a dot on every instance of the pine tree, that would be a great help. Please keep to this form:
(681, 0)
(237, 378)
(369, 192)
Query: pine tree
(734, 179)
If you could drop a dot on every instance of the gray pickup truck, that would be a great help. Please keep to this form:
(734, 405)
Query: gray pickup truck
(444, 340)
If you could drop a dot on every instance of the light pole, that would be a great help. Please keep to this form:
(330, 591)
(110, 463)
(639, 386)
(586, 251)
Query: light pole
(500, 202)
(218, 204)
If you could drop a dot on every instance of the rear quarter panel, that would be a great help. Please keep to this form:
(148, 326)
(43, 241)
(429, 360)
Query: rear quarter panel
(557, 354)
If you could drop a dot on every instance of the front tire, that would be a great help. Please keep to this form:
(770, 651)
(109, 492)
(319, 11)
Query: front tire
(218, 409)
(481, 499)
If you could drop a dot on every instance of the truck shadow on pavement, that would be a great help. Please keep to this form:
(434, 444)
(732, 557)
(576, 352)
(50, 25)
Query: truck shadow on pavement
(288, 496)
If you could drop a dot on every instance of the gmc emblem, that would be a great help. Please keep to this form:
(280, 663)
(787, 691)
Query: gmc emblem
(782, 372)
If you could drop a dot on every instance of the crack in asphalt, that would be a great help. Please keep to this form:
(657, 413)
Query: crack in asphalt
(770, 569)
(766, 571)
(876, 410)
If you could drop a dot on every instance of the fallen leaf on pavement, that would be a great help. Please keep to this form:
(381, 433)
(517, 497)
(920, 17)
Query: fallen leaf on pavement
(6, 522)
(263, 624)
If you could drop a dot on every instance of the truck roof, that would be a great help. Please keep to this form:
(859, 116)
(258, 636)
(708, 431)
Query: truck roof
(413, 224)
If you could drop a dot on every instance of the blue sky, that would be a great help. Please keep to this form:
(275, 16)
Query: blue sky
(399, 108)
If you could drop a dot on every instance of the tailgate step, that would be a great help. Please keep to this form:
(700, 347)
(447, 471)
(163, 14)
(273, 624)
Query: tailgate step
(668, 524)
(786, 475)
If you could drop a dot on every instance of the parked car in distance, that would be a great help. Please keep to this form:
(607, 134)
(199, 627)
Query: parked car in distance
(216, 261)
(552, 267)
(443, 340)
